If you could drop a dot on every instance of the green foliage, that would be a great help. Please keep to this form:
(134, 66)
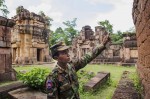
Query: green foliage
(3, 8)
(136, 80)
(65, 35)
(104, 92)
(70, 31)
(34, 78)
(57, 36)
(106, 24)
(117, 37)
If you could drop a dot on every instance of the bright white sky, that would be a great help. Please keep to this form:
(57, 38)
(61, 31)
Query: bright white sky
(87, 12)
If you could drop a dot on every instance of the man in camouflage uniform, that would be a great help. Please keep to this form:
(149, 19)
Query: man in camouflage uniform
(62, 83)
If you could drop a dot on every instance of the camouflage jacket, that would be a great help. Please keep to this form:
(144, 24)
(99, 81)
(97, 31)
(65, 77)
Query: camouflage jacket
(63, 84)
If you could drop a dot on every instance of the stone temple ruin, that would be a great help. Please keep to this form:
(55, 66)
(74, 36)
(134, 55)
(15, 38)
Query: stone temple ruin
(124, 53)
(6, 71)
(29, 38)
(141, 19)
(85, 41)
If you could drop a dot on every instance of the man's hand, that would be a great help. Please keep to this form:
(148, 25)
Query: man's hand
(105, 39)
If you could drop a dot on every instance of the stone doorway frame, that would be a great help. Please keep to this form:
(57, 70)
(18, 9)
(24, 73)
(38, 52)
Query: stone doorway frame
(14, 54)
(39, 54)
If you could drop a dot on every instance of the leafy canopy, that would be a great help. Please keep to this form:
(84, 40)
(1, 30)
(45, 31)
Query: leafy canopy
(3, 8)
(70, 31)
(106, 24)
(66, 34)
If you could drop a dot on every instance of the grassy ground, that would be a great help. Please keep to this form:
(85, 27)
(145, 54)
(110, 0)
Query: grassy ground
(106, 91)
(30, 67)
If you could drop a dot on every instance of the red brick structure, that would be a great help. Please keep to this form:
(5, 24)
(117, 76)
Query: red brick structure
(141, 18)
(6, 71)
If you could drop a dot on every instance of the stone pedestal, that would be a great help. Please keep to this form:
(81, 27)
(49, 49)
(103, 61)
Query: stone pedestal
(6, 71)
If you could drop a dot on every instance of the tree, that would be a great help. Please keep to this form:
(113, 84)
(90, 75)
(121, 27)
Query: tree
(70, 31)
(3, 8)
(65, 35)
(56, 36)
(117, 37)
(106, 24)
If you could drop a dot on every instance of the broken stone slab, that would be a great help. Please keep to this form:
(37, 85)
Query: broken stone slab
(27, 93)
(4, 89)
(96, 81)
(125, 88)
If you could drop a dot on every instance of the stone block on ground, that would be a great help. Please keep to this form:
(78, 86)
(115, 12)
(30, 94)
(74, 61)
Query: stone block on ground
(97, 81)
(27, 93)
(4, 89)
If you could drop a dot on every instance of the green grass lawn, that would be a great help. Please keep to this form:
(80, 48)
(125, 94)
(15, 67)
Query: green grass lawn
(30, 67)
(104, 92)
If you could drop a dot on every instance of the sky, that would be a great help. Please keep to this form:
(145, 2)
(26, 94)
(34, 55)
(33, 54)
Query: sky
(87, 12)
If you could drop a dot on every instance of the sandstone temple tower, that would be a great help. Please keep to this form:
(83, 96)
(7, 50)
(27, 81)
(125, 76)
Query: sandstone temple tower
(29, 38)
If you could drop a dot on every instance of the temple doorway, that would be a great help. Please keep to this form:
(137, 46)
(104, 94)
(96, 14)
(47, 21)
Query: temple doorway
(14, 54)
(39, 54)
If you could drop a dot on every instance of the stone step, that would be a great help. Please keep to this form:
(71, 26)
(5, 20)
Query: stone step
(97, 81)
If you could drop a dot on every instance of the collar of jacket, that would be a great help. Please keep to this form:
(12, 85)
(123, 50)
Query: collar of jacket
(61, 70)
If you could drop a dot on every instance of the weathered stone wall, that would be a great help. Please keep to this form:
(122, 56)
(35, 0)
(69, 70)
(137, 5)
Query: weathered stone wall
(29, 38)
(141, 18)
(87, 39)
(6, 71)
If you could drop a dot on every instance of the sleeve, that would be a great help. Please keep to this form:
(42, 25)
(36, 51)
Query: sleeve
(80, 63)
(51, 87)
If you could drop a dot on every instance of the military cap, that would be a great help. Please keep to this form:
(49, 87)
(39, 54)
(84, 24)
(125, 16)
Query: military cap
(58, 47)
